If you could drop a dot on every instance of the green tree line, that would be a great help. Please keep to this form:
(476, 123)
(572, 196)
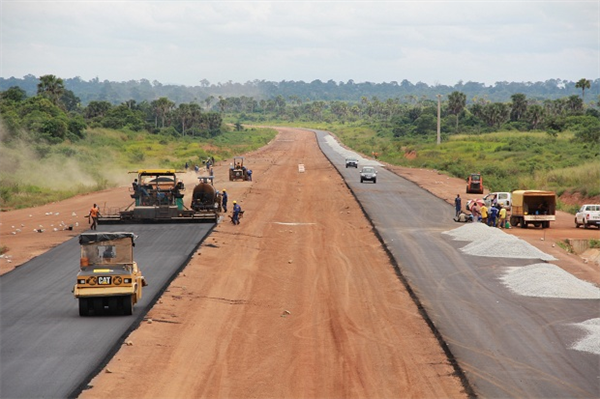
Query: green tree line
(54, 114)
(317, 90)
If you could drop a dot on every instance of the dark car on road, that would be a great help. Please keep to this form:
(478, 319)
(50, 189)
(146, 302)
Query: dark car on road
(368, 173)
(351, 163)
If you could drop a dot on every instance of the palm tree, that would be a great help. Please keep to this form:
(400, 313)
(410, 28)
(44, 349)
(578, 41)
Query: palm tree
(51, 87)
(456, 103)
(519, 106)
(583, 84)
(161, 107)
(208, 100)
(535, 116)
(184, 114)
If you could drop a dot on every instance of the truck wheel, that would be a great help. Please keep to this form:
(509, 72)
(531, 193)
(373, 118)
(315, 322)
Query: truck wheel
(361, 180)
(514, 221)
(84, 308)
(586, 226)
(374, 181)
(127, 305)
(576, 224)
(523, 224)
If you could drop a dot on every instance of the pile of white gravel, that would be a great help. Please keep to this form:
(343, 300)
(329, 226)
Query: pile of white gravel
(543, 280)
(475, 231)
(493, 242)
(591, 342)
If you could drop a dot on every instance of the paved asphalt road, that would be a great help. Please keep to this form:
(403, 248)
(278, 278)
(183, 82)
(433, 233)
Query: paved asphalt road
(507, 345)
(48, 350)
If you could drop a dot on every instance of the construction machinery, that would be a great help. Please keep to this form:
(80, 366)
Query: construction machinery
(535, 207)
(238, 171)
(475, 183)
(109, 280)
(158, 197)
(206, 200)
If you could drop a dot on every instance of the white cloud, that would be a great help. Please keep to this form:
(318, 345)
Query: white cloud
(186, 41)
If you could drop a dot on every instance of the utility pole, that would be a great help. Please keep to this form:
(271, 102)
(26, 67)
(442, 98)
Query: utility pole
(439, 119)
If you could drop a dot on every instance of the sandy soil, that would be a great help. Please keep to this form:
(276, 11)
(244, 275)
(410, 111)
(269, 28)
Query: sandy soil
(299, 300)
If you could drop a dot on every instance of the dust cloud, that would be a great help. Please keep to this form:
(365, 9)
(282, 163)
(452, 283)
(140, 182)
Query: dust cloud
(27, 162)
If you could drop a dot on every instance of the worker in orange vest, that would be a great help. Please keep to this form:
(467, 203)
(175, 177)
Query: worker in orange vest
(93, 216)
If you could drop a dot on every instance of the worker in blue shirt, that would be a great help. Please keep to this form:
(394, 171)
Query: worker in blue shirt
(224, 200)
(236, 213)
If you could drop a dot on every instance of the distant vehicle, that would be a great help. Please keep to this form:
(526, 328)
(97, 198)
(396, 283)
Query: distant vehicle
(588, 215)
(535, 207)
(502, 198)
(368, 173)
(351, 163)
(238, 171)
(108, 279)
(475, 183)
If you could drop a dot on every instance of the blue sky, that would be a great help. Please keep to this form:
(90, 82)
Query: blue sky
(183, 42)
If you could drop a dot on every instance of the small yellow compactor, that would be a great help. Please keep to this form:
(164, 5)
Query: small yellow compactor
(109, 280)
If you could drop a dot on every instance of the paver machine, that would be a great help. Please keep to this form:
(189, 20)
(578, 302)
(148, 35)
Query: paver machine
(109, 280)
(238, 171)
(157, 197)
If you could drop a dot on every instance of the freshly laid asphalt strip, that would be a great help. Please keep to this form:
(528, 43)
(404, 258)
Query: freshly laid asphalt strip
(46, 349)
(505, 344)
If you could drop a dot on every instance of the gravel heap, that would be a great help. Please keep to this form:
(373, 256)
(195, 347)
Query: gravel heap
(591, 342)
(475, 231)
(493, 242)
(543, 280)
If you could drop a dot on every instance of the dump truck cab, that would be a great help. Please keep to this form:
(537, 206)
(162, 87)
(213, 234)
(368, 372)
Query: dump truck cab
(109, 279)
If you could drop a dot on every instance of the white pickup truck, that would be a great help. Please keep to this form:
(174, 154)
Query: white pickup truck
(502, 198)
(588, 215)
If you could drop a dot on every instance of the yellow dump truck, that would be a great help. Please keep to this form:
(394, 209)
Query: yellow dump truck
(536, 207)
(109, 280)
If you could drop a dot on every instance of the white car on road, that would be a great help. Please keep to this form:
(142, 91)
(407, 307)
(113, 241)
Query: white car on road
(588, 215)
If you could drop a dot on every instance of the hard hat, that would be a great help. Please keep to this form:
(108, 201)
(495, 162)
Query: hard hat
(234, 202)
(224, 190)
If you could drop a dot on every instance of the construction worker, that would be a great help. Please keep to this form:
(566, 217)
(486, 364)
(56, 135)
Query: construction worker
(484, 213)
(502, 216)
(236, 213)
(224, 200)
(93, 216)
(457, 205)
